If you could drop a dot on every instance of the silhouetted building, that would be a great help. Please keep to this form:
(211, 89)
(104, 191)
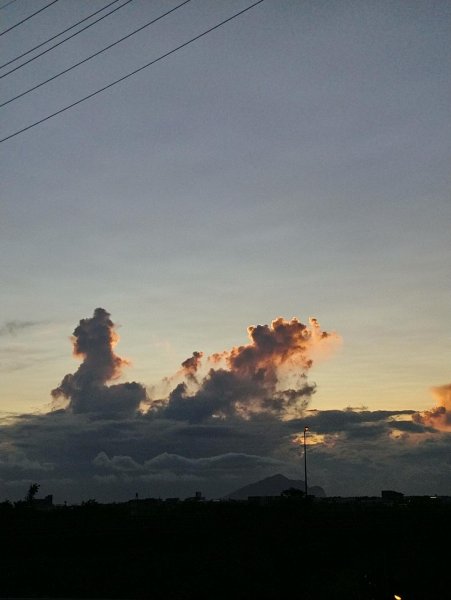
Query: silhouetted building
(43, 503)
(263, 500)
(391, 496)
(196, 498)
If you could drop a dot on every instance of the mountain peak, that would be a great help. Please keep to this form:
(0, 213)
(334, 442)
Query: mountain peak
(273, 485)
(277, 477)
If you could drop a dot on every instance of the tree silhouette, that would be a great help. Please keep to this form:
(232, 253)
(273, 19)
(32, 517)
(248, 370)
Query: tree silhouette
(293, 493)
(32, 491)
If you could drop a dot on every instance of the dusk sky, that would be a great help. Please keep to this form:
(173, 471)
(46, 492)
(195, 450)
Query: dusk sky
(291, 165)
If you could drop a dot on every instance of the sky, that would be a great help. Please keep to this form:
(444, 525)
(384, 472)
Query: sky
(268, 206)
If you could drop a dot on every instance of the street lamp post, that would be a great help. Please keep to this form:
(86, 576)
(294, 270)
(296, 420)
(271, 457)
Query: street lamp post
(305, 463)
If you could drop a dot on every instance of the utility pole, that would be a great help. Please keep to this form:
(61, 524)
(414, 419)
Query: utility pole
(305, 463)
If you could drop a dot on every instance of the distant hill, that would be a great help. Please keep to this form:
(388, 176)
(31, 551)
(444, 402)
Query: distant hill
(274, 486)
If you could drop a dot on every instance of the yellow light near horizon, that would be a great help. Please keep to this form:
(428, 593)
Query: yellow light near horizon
(313, 438)
(396, 597)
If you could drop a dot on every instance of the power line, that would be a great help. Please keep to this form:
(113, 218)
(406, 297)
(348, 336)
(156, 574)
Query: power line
(7, 4)
(92, 55)
(29, 17)
(65, 40)
(106, 87)
(57, 35)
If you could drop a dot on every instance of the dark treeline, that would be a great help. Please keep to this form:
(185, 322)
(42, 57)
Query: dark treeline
(226, 550)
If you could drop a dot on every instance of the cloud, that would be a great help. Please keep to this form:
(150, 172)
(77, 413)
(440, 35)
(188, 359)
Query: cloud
(14, 327)
(349, 419)
(13, 460)
(268, 375)
(227, 419)
(438, 417)
(191, 365)
(116, 463)
(181, 465)
(19, 352)
(165, 457)
(94, 340)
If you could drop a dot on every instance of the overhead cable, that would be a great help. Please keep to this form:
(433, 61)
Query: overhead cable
(65, 40)
(29, 17)
(7, 4)
(57, 35)
(152, 62)
(35, 87)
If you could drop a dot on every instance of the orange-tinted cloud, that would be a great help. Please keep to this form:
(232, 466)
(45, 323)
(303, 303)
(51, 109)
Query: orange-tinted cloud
(191, 365)
(268, 375)
(438, 417)
(94, 340)
(274, 346)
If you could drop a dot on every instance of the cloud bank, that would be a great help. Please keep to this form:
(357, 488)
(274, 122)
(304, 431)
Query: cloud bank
(226, 420)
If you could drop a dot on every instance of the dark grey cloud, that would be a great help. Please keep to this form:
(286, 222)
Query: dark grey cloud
(366, 466)
(364, 424)
(13, 460)
(410, 426)
(221, 394)
(86, 389)
(367, 431)
(85, 449)
(228, 463)
(343, 420)
(110, 457)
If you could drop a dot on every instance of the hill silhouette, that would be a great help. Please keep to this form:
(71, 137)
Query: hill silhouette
(274, 486)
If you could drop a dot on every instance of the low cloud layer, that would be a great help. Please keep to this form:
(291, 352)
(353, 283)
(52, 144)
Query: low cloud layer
(226, 420)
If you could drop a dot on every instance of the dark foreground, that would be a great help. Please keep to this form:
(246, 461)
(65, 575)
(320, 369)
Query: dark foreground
(233, 551)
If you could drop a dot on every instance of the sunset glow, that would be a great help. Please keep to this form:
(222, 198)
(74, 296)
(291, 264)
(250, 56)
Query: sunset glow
(262, 214)
(225, 299)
